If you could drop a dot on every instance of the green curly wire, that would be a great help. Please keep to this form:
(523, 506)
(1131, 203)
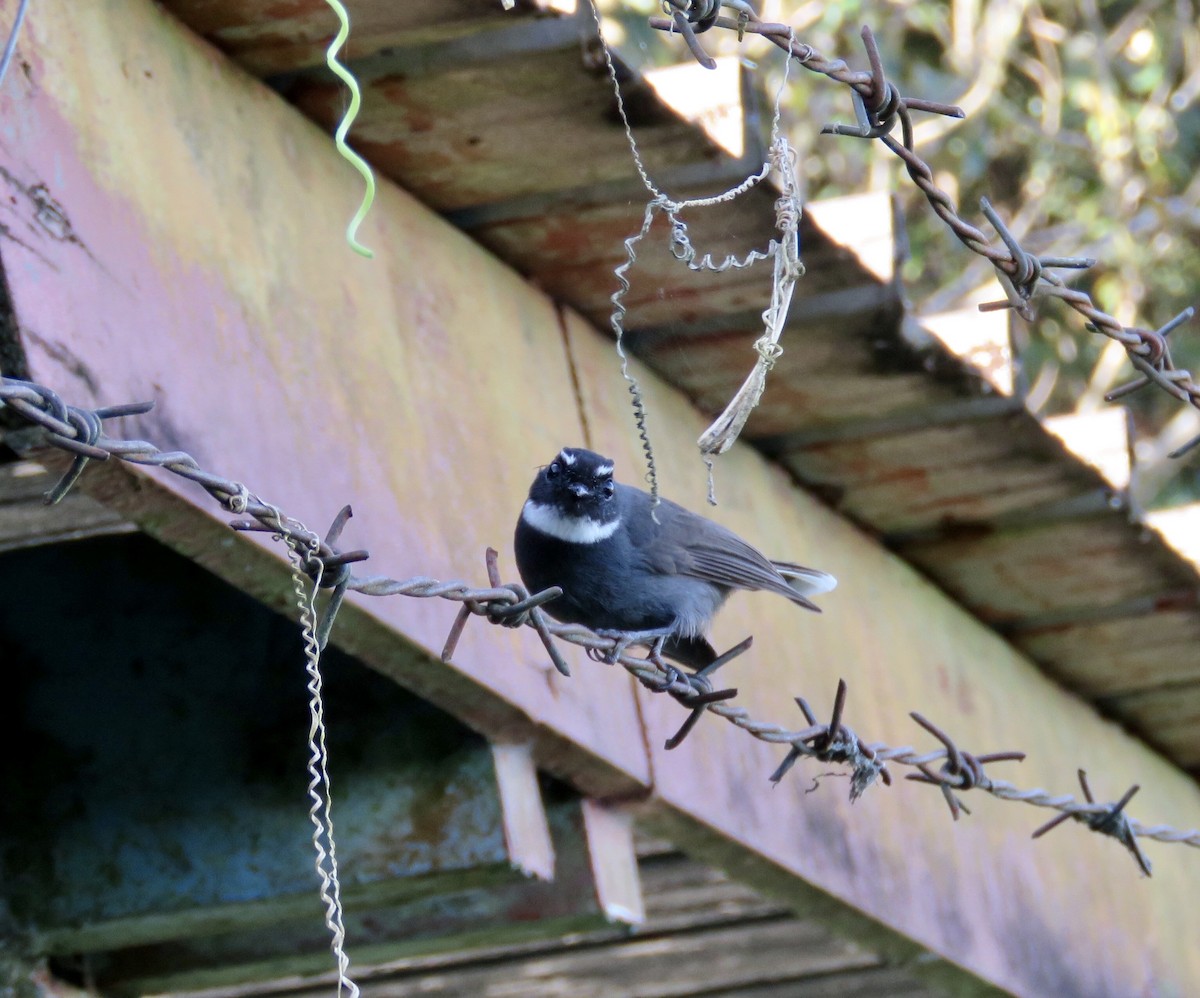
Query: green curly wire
(348, 154)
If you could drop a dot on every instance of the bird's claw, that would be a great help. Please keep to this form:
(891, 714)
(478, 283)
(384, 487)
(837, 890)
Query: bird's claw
(621, 642)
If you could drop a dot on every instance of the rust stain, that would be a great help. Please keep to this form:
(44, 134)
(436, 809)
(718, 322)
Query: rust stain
(48, 213)
(62, 354)
(51, 215)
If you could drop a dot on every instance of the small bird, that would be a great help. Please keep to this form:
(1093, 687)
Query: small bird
(634, 576)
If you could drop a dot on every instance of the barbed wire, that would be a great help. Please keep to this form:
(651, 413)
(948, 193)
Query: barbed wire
(80, 432)
(878, 107)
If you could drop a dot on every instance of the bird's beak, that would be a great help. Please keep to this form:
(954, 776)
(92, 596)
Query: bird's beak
(578, 490)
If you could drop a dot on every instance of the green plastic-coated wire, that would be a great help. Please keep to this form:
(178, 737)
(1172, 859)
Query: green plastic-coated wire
(339, 138)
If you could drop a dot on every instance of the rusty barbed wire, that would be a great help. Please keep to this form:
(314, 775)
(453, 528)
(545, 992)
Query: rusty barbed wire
(878, 107)
(80, 432)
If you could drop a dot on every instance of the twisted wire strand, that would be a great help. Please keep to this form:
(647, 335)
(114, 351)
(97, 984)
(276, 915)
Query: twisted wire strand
(320, 791)
(617, 322)
(343, 128)
(683, 250)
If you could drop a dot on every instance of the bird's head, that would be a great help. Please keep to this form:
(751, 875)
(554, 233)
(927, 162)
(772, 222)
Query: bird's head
(572, 496)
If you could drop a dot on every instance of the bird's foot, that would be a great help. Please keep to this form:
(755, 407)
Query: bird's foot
(622, 640)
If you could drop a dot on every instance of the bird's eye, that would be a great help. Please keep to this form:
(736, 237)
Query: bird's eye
(553, 470)
(608, 488)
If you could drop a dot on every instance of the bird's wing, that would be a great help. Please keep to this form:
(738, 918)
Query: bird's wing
(685, 543)
(729, 561)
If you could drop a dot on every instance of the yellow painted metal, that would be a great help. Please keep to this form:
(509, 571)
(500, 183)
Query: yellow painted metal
(1068, 914)
(205, 268)
(197, 258)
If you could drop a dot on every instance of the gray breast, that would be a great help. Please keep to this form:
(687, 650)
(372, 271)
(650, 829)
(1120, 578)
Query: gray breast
(695, 601)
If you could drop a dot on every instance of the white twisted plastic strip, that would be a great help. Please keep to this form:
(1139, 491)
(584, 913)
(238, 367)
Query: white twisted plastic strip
(319, 791)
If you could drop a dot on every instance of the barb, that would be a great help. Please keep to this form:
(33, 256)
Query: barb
(878, 108)
(513, 606)
(1110, 821)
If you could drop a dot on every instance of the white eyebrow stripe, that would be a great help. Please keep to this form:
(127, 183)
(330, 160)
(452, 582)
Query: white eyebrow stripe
(604, 470)
(574, 529)
(567, 459)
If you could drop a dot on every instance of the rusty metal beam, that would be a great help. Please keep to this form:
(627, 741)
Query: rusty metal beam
(425, 386)
(161, 726)
(485, 916)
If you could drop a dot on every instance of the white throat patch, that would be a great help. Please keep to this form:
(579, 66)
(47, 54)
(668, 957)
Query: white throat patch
(575, 529)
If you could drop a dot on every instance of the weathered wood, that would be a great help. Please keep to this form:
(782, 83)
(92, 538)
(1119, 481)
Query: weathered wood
(1168, 714)
(26, 521)
(268, 37)
(684, 898)
(526, 832)
(1048, 570)
(462, 124)
(572, 246)
(426, 386)
(499, 116)
(718, 960)
(1124, 655)
(497, 916)
(614, 862)
(919, 479)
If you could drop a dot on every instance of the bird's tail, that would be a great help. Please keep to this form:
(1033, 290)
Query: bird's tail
(805, 581)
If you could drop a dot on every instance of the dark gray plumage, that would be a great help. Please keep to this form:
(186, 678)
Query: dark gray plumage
(621, 571)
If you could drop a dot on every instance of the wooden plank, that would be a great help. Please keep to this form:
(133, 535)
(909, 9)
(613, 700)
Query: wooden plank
(860, 373)
(571, 248)
(286, 308)
(26, 521)
(517, 914)
(526, 832)
(901, 645)
(455, 136)
(1093, 567)
(1109, 658)
(1168, 714)
(614, 861)
(267, 36)
(719, 960)
(881, 982)
(824, 378)
(683, 897)
(920, 479)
